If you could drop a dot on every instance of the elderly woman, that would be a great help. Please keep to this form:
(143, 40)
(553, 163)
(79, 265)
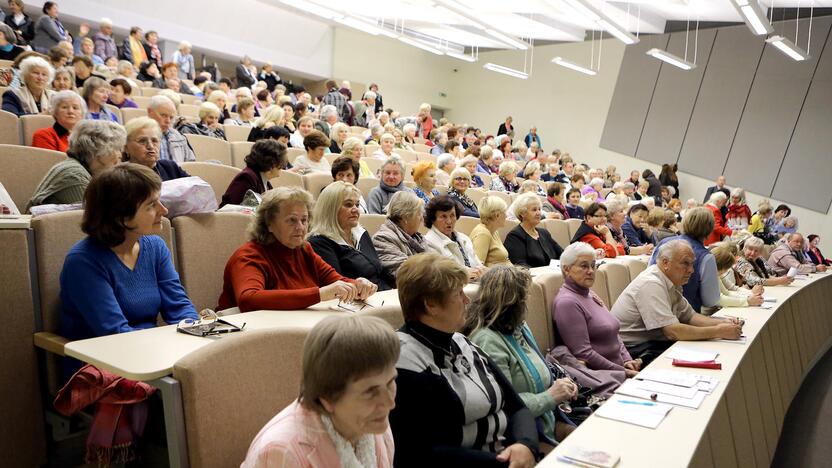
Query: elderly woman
(315, 143)
(787, 226)
(246, 113)
(277, 268)
(8, 49)
(724, 254)
(93, 148)
(754, 270)
(739, 214)
(592, 191)
(554, 195)
(345, 169)
(488, 244)
(348, 387)
(460, 181)
(219, 99)
(143, 140)
(663, 223)
(354, 148)
(814, 253)
(441, 215)
(120, 91)
(385, 150)
(392, 181)
(594, 232)
(338, 238)
(305, 125)
(30, 95)
(715, 204)
(208, 125)
(633, 228)
(49, 31)
(271, 116)
(759, 225)
(498, 327)
(96, 93)
(486, 160)
(399, 237)
(442, 416)
(263, 163)
(507, 178)
(184, 61)
(446, 164)
(584, 324)
(400, 143)
(424, 174)
(68, 109)
(528, 244)
(64, 80)
(470, 162)
(338, 135)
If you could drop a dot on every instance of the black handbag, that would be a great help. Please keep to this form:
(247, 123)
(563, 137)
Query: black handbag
(584, 405)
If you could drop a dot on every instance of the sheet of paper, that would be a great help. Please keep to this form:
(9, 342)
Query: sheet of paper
(663, 388)
(769, 299)
(667, 376)
(585, 456)
(693, 355)
(792, 272)
(631, 388)
(640, 413)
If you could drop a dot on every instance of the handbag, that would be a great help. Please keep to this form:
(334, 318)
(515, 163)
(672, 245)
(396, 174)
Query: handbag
(188, 195)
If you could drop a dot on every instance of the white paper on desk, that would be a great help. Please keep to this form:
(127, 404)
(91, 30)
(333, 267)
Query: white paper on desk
(687, 354)
(667, 389)
(766, 305)
(769, 299)
(631, 388)
(741, 340)
(792, 272)
(640, 415)
(554, 263)
(667, 376)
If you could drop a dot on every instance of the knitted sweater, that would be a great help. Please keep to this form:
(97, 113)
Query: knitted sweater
(64, 183)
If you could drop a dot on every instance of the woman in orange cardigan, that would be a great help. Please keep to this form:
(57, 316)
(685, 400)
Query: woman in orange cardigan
(594, 231)
(68, 108)
(721, 229)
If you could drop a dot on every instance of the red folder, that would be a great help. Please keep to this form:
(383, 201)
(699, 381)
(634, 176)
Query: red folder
(697, 364)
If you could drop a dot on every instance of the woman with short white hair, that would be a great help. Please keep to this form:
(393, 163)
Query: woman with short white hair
(338, 134)
(528, 244)
(506, 181)
(354, 148)
(392, 181)
(67, 109)
(385, 151)
(208, 125)
(409, 133)
(184, 61)
(460, 182)
(446, 164)
(399, 237)
(31, 95)
(592, 191)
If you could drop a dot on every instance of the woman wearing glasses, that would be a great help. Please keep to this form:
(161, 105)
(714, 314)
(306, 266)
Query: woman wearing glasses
(121, 277)
(143, 140)
(594, 231)
(460, 182)
(453, 405)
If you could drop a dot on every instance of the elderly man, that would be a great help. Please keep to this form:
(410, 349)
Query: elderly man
(533, 137)
(719, 187)
(648, 327)
(790, 255)
(329, 117)
(105, 45)
(174, 145)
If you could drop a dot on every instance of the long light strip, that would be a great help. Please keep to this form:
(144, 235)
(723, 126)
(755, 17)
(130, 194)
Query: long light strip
(574, 66)
(602, 20)
(667, 57)
(506, 39)
(421, 45)
(754, 16)
(506, 71)
(366, 27)
(457, 9)
(788, 47)
(463, 57)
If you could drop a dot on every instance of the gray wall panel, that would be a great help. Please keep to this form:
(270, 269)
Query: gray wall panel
(633, 92)
(806, 174)
(725, 86)
(673, 100)
(770, 115)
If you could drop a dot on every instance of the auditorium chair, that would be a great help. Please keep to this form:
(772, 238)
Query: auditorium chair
(331, 157)
(366, 185)
(128, 114)
(357, 129)
(407, 156)
(239, 151)
(486, 180)
(190, 99)
(442, 189)
(149, 91)
(421, 148)
(210, 149)
(618, 277)
(374, 164)
(466, 224)
(510, 224)
(24, 168)
(141, 101)
(539, 317)
(634, 265)
(9, 129)
(559, 231)
(204, 243)
(370, 149)
(219, 176)
(236, 132)
(287, 179)
(116, 111)
(293, 153)
(476, 195)
(550, 283)
(314, 182)
(29, 124)
(496, 193)
(600, 286)
(573, 225)
(188, 110)
(371, 222)
(426, 157)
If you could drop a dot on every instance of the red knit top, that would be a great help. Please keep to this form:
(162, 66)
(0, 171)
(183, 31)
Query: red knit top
(50, 138)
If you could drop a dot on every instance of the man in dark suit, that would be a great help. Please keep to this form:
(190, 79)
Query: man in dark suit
(720, 186)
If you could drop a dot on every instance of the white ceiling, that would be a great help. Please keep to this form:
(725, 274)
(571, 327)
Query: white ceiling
(547, 20)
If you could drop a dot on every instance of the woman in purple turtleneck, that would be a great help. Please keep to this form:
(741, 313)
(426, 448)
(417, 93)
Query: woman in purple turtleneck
(582, 321)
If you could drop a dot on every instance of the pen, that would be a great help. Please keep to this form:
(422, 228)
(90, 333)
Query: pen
(631, 402)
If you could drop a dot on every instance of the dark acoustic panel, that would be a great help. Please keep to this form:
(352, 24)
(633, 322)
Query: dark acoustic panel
(673, 99)
(806, 175)
(771, 112)
(633, 92)
(733, 61)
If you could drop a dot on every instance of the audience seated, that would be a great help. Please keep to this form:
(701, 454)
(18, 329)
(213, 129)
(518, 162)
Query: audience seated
(385, 150)
(736, 297)
(313, 161)
(759, 225)
(68, 109)
(170, 75)
(338, 135)
(277, 269)
(143, 142)
(789, 254)
(460, 182)
(96, 92)
(305, 125)
(739, 214)
(246, 113)
(496, 321)
(470, 162)
(120, 91)
(528, 244)
(633, 229)
(648, 328)
(31, 94)
(263, 163)
(338, 238)
(506, 181)
(174, 146)
(488, 244)
(9, 50)
(787, 226)
(441, 215)
(64, 80)
(219, 99)
(272, 116)
(424, 174)
(149, 71)
(354, 148)
(594, 231)
(346, 169)
(99, 296)
(208, 125)
(555, 197)
(573, 207)
(446, 164)
(348, 387)
(442, 417)
(813, 251)
(662, 222)
(754, 270)
(93, 147)
(486, 160)
(391, 181)
(399, 238)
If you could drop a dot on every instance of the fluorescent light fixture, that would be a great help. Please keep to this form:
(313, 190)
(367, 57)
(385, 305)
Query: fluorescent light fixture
(667, 57)
(506, 39)
(602, 20)
(788, 47)
(421, 45)
(311, 8)
(464, 57)
(754, 16)
(364, 26)
(574, 66)
(506, 71)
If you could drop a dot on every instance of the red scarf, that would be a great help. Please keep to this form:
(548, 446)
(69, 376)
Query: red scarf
(739, 211)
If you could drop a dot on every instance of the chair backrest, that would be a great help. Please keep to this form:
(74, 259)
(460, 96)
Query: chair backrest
(426, 157)
(24, 168)
(559, 231)
(331, 157)
(9, 128)
(420, 148)
(476, 195)
(209, 148)
(204, 243)
(374, 164)
(29, 124)
(510, 224)
(149, 91)
(551, 283)
(219, 176)
(357, 129)
(442, 189)
(600, 286)
(116, 111)
(635, 266)
(365, 185)
(239, 151)
(486, 180)
(231, 388)
(236, 132)
(466, 224)
(504, 195)
(293, 153)
(407, 156)
(370, 149)
(190, 99)
(141, 101)
(287, 179)
(618, 277)
(539, 317)
(128, 114)
(371, 222)
(573, 225)
(314, 182)
(189, 110)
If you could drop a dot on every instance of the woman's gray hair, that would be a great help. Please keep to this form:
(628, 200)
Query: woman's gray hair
(443, 160)
(667, 249)
(486, 152)
(717, 196)
(273, 201)
(508, 167)
(94, 139)
(8, 33)
(490, 208)
(92, 84)
(31, 62)
(458, 172)
(408, 126)
(521, 204)
(573, 251)
(596, 181)
(404, 205)
(395, 161)
(754, 243)
(328, 110)
(738, 192)
(369, 95)
(142, 123)
(58, 98)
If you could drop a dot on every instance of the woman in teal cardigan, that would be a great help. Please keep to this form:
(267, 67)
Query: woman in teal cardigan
(497, 325)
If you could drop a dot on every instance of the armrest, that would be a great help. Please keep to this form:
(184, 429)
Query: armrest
(50, 342)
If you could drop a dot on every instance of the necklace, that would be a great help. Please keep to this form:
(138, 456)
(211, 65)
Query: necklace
(457, 360)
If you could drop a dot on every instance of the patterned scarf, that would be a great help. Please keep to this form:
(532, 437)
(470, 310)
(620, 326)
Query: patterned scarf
(362, 455)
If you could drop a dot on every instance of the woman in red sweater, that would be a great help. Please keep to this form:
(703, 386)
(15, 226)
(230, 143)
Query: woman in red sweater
(721, 229)
(68, 108)
(277, 269)
(594, 231)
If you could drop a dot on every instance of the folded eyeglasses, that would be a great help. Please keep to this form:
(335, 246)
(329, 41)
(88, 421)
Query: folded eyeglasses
(209, 324)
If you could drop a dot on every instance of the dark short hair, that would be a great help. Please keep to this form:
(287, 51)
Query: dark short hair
(263, 94)
(104, 220)
(47, 6)
(555, 188)
(594, 208)
(56, 53)
(811, 237)
(149, 33)
(199, 80)
(573, 190)
(783, 207)
(301, 107)
(637, 207)
(123, 83)
(440, 203)
(345, 163)
(265, 155)
(451, 145)
(315, 139)
(134, 30)
(275, 132)
(82, 58)
(330, 84)
(226, 81)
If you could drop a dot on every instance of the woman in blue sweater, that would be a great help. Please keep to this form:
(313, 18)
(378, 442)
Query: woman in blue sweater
(120, 277)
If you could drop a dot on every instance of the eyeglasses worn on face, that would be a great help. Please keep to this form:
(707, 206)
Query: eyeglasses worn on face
(147, 141)
(588, 266)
